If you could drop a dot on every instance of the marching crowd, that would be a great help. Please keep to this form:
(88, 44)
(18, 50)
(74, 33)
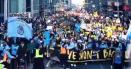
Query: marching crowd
(68, 30)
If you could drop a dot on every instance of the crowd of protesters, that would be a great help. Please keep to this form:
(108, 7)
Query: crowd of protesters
(78, 31)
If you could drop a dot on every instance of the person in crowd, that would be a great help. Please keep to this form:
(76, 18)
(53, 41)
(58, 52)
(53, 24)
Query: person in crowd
(118, 59)
(72, 44)
(21, 54)
(14, 49)
(7, 56)
(30, 50)
(77, 27)
(67, 33)
(63, 53)
(2, 45)
(89, 44)
(103, 45)
(38, 58)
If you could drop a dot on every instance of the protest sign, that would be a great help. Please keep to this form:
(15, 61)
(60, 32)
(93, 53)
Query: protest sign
(90, 54)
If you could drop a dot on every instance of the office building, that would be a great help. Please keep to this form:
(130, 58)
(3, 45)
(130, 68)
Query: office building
(1, 10)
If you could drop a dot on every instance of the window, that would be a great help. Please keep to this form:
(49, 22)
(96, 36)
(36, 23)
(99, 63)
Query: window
(28, 5)
(13, 6)
(1, 6)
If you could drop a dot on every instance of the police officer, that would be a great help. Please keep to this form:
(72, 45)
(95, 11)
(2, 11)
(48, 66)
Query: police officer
(38, 58)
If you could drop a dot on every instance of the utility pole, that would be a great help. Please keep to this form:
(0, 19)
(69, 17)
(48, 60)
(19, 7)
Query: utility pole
(5, 10)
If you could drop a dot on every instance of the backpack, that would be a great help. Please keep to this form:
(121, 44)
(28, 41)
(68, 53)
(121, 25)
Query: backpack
(117, 59)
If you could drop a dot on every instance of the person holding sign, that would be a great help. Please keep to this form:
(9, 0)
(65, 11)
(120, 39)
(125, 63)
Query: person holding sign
(63, 52)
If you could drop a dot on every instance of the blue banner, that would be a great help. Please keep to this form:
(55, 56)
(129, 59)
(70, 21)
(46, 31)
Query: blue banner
(47, 38)
(77, 27)
(19, 28)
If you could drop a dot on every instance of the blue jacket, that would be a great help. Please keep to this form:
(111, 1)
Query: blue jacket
(118, 60)
(72, 45)
(103, 45)
(8, 54)
(14, 50)
(46, 42)
(77, 27)
(6, 51)
(47, 34)
(1, 47)
(89, 45)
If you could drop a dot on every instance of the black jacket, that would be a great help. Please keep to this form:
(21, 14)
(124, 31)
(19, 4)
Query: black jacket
(22, 52)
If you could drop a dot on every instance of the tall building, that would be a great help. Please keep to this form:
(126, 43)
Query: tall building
(1, 11)
(21, 6)
(17, 6)
(36, 6)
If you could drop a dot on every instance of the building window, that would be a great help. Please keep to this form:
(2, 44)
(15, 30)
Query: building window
(13, 6)
(28, 5)
(1, 6)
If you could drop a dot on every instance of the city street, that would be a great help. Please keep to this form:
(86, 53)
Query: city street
(89, 65)
(65, 34)
(93, 65)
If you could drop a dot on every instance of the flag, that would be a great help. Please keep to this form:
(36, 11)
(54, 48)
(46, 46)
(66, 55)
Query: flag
(19, 28)
(47, 34)
(47, 38)
(12, 18)
(77, 27)
(128, 35)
